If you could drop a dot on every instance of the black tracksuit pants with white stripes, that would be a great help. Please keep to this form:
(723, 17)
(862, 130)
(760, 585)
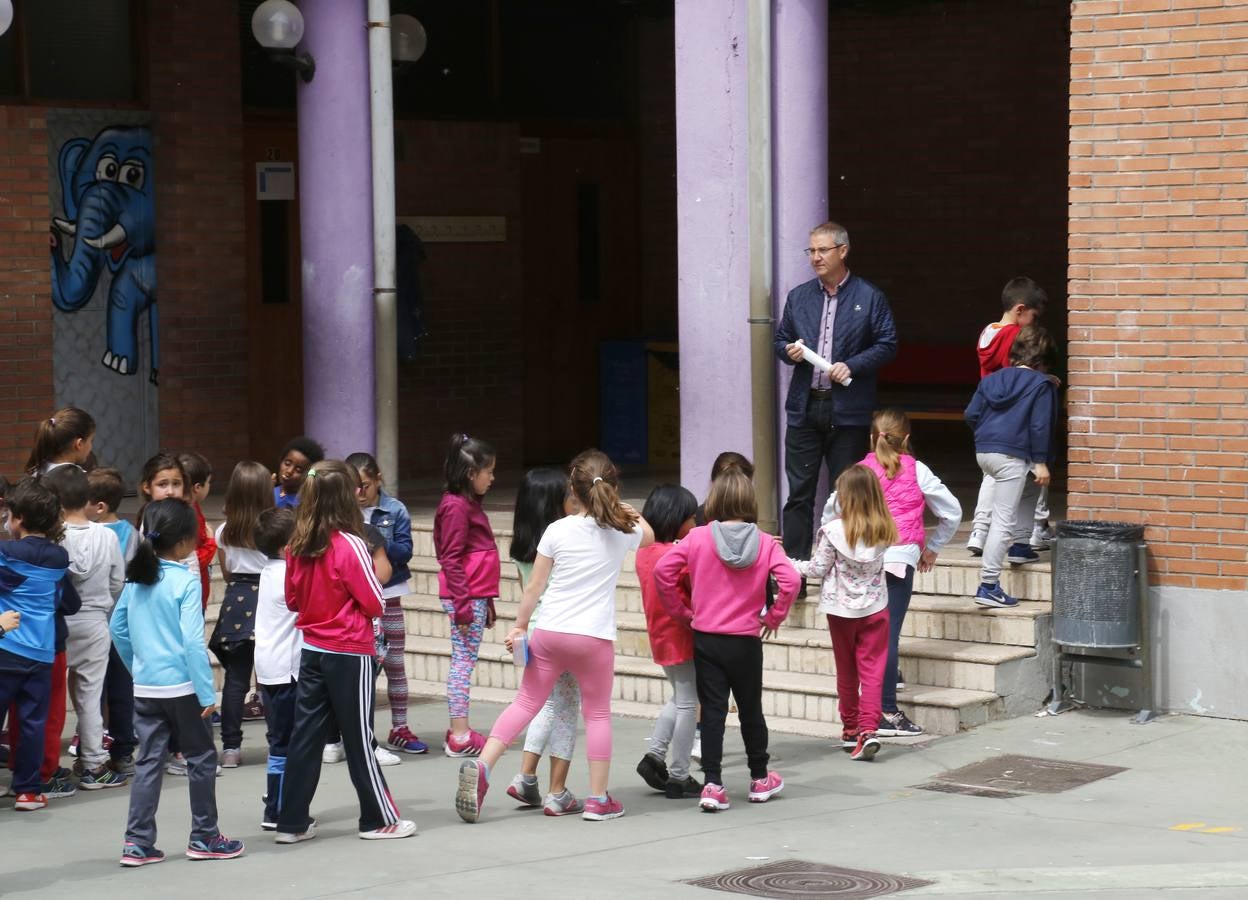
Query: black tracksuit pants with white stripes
(342, 684)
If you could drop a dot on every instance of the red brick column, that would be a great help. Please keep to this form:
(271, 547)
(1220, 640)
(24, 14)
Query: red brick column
(25, 283)
(1158, 308)
(201, 270)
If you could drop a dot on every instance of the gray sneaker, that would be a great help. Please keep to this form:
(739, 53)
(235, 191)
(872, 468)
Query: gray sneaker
(526, 793)
(231, 758)
(561, 804)
(897, 724)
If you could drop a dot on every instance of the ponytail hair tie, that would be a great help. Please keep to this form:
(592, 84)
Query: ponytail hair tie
(52, 421)
(150, 535)
(597, 479)
(311, 473)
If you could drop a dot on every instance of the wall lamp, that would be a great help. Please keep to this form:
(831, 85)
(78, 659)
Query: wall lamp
(6, 15)
(277, 26)
(408, 40)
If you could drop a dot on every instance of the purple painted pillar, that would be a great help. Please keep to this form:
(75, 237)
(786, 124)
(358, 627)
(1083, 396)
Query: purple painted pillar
(799, 154)
(336, 226)
(712, 234)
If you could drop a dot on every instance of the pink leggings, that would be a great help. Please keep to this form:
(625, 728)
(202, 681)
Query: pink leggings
(551, 653)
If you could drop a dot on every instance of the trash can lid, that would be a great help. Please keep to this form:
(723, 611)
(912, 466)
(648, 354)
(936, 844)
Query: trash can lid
(1103, 531)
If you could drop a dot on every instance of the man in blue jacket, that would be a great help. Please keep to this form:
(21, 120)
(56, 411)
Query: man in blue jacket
(847, 321)
(1013, 414)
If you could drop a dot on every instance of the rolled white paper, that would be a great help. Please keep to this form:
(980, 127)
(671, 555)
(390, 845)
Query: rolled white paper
(819, 362)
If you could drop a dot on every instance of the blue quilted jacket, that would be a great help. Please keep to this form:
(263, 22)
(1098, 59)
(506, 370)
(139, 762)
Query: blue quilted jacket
(863, 337)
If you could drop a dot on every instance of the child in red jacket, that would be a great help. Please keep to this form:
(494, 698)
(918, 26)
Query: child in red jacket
(728, 563)
(468, 581)
(670, 510)
(331, 585)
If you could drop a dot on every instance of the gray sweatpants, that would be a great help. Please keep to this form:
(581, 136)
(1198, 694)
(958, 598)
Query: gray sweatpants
(1024, 525)
(1013, 498)
(678, 721)
(155, 720)
(86, 653)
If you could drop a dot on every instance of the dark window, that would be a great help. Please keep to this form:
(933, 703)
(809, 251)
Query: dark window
(588, 244)
(275, 251)
(71, 50)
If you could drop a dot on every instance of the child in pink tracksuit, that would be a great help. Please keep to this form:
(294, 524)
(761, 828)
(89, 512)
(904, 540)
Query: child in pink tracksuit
(728, 563)
(468, 581)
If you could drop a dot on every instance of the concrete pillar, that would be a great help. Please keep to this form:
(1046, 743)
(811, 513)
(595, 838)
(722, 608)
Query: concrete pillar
(799, 153)
(712, 234)
(335, 219)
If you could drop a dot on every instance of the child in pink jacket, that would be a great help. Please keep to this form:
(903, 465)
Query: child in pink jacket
(729, 562)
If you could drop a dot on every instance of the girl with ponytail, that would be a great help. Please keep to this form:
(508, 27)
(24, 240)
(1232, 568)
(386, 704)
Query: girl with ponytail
(158, 630)
(468, 581)
(574, 573)
(909, 486)
(63, 439)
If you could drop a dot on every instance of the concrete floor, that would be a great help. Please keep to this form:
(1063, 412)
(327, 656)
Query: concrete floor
(1173, 821)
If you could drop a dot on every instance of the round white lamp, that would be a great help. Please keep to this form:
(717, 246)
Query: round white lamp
(6, 15)
(277, 26)
(408, 39)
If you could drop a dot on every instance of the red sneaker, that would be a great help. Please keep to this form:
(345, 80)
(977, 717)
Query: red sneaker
(473, 783)
(868, 745)
(599, 810)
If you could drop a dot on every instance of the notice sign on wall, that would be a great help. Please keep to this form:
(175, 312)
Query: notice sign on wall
(275, 181)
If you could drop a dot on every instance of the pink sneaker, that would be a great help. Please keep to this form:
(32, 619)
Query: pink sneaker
(470, 744)
(473, 783)
(763, 789)
(714, 798)
(597, 811)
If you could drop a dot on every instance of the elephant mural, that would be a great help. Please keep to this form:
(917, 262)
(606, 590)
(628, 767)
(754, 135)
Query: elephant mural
(107, 194)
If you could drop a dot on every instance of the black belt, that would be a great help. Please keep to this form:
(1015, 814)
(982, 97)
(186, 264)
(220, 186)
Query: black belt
(820, 395)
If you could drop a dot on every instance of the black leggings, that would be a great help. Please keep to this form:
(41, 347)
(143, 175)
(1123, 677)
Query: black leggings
(726, 663)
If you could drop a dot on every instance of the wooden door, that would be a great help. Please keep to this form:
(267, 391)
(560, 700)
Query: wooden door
(274, 306)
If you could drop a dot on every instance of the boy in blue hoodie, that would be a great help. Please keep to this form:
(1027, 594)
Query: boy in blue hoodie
(32, 573)
(1012, 415)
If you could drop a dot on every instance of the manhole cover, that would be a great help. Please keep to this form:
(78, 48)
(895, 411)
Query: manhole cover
(793, 879)
(1007, 776)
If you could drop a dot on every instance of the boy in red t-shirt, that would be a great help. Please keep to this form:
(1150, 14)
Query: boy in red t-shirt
(1022, 302)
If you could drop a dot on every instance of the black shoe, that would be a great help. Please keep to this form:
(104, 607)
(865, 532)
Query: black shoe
(684, 789)
(653, 771)
(897, 724)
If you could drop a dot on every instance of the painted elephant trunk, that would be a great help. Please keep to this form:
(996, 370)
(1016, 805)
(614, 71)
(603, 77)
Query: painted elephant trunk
(99, 237)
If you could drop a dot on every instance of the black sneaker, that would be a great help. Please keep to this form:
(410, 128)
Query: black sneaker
(135, 855)
(897, 724)
(683, 789)
(653, 771)
(1021, 554)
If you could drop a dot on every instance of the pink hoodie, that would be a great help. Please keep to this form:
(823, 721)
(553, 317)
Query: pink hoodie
(728, 566)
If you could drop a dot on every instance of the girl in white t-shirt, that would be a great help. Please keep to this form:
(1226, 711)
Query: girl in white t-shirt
(574, 573)
(249, 493)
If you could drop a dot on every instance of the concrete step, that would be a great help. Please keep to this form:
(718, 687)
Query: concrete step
(934, 661)
(786, 695)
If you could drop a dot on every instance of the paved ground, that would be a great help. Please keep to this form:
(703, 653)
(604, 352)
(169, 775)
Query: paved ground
(1175, 820)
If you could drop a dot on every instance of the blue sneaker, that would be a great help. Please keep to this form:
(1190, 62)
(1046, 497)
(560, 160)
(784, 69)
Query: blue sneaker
(135, 855)
(993, 596)
(1020, 554)
(402, 739)
(219, 847)
(215, 720)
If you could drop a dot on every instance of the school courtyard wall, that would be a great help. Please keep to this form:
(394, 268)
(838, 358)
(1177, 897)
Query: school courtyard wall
(1158, 316)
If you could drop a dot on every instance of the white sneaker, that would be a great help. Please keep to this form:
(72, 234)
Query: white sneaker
(400, 829)
(975, 543)
(386, 758)
(1042, 536)
(696, 752)
(333, 753)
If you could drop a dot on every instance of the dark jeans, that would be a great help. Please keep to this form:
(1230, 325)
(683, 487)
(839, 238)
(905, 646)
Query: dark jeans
(119, 702)
(279, 717)
(237, 660)
(806, 447)
(341, 684)
(898, 603)
(724, 663)
(26, 684)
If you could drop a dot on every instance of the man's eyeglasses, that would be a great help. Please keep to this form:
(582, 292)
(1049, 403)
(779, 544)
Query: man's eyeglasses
(821, 251)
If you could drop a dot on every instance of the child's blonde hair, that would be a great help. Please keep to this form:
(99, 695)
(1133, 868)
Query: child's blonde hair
(326, 504)
(890, 437)
(863, 509)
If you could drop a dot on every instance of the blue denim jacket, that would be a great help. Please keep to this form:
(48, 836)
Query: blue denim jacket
(392, 520)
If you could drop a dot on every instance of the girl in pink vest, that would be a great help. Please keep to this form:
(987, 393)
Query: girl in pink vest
(909, 488)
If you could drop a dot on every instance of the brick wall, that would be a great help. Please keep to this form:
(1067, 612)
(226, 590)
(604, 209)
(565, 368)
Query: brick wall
(1158, 399)
(472, 295)
(947, 155)
(25, 286)
(196, 110)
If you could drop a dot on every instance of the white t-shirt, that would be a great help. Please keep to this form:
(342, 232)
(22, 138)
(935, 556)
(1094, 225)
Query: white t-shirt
(580, 596)
(240, 560)
(278, 642)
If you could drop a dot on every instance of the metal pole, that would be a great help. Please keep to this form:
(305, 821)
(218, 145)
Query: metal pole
(385, 313)
(761, 211)
(1147, 700)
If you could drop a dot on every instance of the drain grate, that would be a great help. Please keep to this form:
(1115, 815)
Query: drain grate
(794, 879)
(1012, 776)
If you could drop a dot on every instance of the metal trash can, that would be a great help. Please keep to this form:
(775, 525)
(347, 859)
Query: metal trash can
(1097, 584)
